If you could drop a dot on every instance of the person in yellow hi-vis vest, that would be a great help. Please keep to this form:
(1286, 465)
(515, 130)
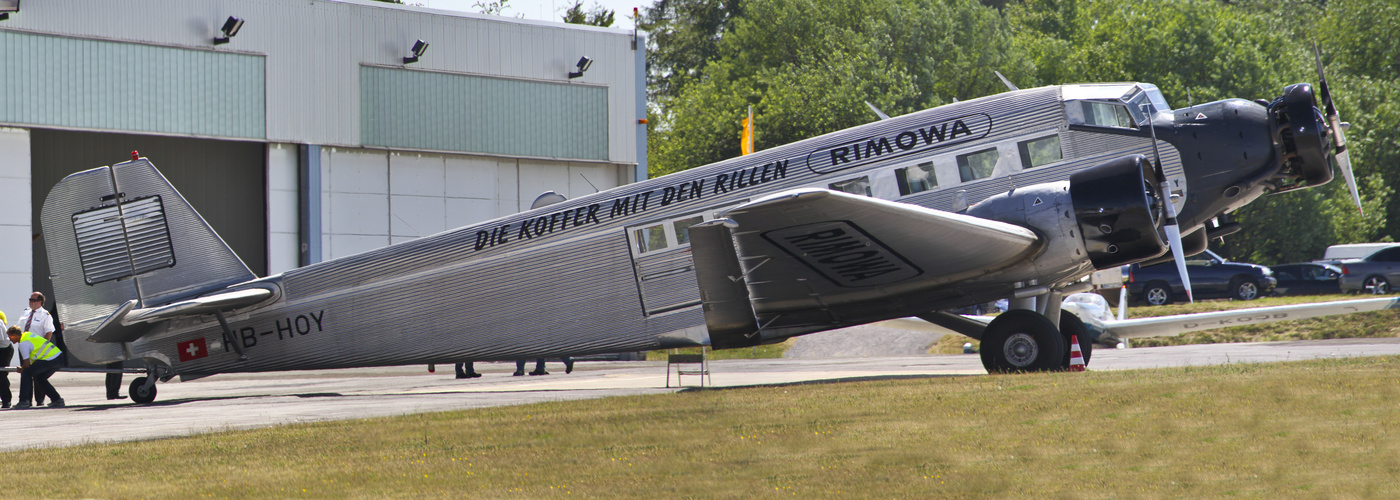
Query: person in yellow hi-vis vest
(38, 359)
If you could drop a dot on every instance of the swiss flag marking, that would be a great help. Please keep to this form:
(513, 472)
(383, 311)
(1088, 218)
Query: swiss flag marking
(193, 349)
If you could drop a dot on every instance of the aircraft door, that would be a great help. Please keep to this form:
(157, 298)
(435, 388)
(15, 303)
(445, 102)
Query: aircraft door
(663, 265)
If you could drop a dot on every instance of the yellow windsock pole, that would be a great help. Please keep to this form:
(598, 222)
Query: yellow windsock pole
(746, 136)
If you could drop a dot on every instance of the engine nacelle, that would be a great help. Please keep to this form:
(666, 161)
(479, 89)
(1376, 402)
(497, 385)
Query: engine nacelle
(1118, 208)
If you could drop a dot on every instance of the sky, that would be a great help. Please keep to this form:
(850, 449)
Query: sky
(544, 10)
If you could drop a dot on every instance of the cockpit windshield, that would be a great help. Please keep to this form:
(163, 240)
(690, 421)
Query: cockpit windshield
(1118, 105)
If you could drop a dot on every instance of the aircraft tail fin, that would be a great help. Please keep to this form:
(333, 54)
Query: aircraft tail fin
(123, 233)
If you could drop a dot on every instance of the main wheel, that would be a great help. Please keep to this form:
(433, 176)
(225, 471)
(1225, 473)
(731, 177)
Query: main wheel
(1071, 325)
(1375, 285)
(1021, 340)
(139, 393)
(1244, 289)
(1157, 293)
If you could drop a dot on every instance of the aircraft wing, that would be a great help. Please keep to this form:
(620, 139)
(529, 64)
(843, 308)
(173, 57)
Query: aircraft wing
(814, 258)
(1182, 323)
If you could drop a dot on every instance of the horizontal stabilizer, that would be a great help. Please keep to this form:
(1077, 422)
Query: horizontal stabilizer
(202, 305)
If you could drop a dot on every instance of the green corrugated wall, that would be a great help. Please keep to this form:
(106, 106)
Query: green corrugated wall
(101, 85)
(450, 112)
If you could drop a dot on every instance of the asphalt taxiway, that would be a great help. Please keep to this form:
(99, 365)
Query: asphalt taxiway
(243, 401)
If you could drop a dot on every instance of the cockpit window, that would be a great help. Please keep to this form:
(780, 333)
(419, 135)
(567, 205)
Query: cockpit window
(1113, 105)
(1106, 114)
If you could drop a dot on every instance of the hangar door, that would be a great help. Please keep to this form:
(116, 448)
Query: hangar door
(224, 180)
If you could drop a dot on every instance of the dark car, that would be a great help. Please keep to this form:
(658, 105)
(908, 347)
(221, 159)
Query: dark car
(1307, 278)
(1211, 277)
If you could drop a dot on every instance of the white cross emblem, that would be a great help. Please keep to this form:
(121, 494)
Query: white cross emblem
(193, 349)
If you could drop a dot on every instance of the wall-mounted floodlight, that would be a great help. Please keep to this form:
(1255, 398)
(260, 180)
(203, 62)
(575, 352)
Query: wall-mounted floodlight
(231, 27)
(419, 47)
(583, 64)
(6, 7)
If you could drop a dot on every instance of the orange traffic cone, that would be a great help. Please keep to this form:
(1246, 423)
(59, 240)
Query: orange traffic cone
(1076, 356)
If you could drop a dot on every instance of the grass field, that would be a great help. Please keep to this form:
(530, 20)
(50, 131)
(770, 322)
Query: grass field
(1315, 429)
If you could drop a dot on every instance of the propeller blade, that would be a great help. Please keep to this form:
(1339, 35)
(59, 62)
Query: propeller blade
(1174, 239)
(1344, 162)
(1334, 121)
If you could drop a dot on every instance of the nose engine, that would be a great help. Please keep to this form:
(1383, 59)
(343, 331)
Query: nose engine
(1119, 211)
(1303, 132)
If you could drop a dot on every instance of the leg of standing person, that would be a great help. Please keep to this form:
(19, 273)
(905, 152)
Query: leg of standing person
(539, 367)
(5, 355)
(26, 389)
(471, 370)
(38, 394)
(114, 382)
(519, 367)
(568, 364)
(460, 372)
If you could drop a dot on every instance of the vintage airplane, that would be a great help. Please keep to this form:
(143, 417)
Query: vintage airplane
(1020, 195)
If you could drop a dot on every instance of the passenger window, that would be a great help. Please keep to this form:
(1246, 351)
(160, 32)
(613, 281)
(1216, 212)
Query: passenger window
(916, 179)
(650, 238)
(1042, 151)
(979, 165)
(683, 228)
(859, 185)
(1106, 114)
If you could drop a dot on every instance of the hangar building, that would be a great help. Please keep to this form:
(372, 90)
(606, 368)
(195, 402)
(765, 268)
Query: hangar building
(308, 131)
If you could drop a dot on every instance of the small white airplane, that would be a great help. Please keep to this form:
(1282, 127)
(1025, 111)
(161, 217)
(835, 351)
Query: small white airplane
(1017, 195)
(1106, 329)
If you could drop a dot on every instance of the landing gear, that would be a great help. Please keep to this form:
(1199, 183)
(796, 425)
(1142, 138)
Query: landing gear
(1022, 340)
(142, 390)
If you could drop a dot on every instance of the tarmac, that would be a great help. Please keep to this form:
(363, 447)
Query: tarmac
(245, 401)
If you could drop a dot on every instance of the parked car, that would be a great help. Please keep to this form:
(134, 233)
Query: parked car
(1376, 273)
(1307, 278)
(1211, 277)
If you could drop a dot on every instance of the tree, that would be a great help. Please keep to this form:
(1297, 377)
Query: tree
(598, 16)
(807, 66)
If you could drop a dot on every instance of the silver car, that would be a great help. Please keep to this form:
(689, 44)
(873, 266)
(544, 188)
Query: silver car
(1374, 274)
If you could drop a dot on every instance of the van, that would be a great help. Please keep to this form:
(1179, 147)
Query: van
(1354, 250)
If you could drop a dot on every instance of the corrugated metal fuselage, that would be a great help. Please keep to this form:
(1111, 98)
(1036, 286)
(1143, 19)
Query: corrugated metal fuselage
(564, 279)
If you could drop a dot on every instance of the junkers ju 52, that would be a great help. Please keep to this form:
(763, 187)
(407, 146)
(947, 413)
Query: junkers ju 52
(1017, 195)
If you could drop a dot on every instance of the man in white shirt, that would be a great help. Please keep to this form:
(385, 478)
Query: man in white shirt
(36, 319)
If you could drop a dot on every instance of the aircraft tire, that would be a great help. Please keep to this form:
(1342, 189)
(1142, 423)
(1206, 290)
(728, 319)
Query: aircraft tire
(1071, 325)
(1021, 340)
(139, 393)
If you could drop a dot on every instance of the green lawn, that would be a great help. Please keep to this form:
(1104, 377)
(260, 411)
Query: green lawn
(1314, 429)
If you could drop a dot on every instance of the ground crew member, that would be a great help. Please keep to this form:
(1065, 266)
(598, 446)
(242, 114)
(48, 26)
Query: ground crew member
(38, 359)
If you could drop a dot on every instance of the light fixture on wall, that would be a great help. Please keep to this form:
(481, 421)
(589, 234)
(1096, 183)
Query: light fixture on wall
(6, 7)
(231, 27)
(583, 64)
(419, 47)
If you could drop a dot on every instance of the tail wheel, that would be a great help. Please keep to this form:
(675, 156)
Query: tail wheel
(1245, 289)
(1021, 340)
(1070, 326)
(1157, 293)
(1375, 285)
(140, 393)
